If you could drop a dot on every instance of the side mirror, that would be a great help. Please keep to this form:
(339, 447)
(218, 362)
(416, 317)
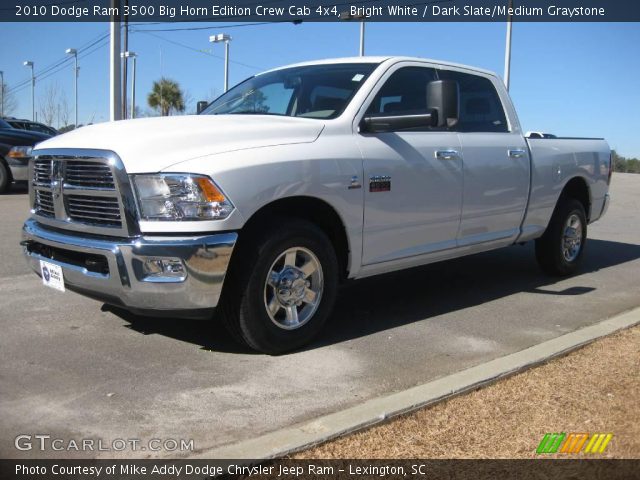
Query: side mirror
(201, 106)
(443, 97)
(386, 123)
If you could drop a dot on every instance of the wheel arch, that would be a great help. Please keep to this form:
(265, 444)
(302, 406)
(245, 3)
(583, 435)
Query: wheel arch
(578, 189)
(313, 209)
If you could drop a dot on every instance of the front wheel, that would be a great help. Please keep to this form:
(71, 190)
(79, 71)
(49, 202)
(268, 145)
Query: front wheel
(5, 177)
(559, 251)
(282, 288)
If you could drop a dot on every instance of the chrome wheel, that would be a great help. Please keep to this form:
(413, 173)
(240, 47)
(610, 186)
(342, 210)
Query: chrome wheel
(572, 238)
(293, 288)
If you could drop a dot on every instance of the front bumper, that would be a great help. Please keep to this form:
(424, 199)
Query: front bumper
(112, 269)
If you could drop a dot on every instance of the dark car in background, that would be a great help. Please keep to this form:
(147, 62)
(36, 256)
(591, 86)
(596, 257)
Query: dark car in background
(15, 152)
(30, 126)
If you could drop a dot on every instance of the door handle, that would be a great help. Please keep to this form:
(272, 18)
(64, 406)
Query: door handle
(517, 153)
(447, 154)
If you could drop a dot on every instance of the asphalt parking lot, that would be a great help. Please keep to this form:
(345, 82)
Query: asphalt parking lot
(72, 368)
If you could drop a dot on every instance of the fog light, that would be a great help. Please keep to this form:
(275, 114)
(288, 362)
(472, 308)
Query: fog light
(164, 270)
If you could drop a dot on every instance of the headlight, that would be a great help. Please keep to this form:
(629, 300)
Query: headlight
(20, 152)
(180, 197)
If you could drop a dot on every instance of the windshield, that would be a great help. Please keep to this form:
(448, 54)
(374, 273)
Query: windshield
(4, 124)
(313, 91)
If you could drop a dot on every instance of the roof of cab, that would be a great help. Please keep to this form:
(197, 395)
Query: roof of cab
(394, 59)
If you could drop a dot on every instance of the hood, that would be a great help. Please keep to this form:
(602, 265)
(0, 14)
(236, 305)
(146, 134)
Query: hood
(16, 137)
(153, 144)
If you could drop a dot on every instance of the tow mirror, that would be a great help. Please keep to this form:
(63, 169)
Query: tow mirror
(201, 106)
(443, 97)
(392, 123)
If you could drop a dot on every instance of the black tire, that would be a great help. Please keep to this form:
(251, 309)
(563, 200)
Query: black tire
(244, 299)
(5, 177)
(550, 248)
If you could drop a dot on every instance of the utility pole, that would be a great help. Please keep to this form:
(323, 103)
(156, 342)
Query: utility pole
(125, 64)
(29, 63)
(362, 38)
(115, 85)
(127, 55)
(133, 88)
(1, 93)
(507, 51)
(74, 52)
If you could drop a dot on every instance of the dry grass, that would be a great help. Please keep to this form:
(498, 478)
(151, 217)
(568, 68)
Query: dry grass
(594, 389)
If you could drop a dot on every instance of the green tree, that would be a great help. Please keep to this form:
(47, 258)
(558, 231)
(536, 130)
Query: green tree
(625, 165)
(166, 96)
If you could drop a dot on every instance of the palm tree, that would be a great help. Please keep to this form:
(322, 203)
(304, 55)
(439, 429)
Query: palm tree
(166, 96)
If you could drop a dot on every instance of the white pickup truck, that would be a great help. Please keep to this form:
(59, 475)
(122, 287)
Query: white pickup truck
(297, 179)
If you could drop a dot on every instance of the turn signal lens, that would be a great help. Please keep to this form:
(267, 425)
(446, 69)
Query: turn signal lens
(209, 190)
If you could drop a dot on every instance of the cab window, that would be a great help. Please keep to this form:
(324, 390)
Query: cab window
(404, 93)
(480, 106)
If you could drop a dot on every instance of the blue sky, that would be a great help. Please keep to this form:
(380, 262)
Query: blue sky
(576, 79)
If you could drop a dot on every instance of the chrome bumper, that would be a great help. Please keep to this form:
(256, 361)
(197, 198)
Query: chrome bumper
(122, 280)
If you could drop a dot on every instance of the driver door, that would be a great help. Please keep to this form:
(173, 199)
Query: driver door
(413, 179)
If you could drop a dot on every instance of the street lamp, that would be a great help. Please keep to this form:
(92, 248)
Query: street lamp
(219, 38)
(347, 16)
(126, 56)
(507, 50)
(74, 52)
(29, 63)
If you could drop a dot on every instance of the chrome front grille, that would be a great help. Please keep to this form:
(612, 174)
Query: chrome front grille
(83, 190)
(42, 171)
(103, 211)
(44, 203)
(88, 174)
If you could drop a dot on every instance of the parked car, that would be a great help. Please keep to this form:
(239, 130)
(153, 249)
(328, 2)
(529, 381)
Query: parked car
(31, 126)
(297, 179)
(15, 153)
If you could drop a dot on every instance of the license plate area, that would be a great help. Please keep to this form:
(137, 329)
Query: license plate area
(52, 275)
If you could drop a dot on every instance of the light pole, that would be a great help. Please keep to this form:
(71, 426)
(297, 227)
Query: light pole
(74, 52)
(127, 56)
(347, 16)
(1, 93)
(219, 38)
(507, 51)
(115, 80)
(29, 64)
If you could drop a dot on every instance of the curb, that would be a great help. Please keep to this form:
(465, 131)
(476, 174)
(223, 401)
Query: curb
(301, 436)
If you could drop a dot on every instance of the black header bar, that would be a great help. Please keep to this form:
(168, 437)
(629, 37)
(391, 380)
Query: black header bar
(297, 11)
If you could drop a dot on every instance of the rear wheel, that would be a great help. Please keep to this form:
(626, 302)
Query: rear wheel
(282, 287)
(559, 251)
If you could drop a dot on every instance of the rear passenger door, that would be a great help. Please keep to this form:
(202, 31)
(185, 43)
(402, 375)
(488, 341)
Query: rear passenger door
(495, 163)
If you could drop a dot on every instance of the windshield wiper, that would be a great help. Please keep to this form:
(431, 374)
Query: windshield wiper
(254, 112)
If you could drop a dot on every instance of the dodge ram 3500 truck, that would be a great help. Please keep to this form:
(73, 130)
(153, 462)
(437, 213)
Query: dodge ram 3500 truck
(301, 177)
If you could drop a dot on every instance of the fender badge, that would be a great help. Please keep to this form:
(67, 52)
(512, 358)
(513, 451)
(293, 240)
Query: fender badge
(380, 183)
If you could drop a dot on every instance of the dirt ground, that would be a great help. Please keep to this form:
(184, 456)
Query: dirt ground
(595, 389)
